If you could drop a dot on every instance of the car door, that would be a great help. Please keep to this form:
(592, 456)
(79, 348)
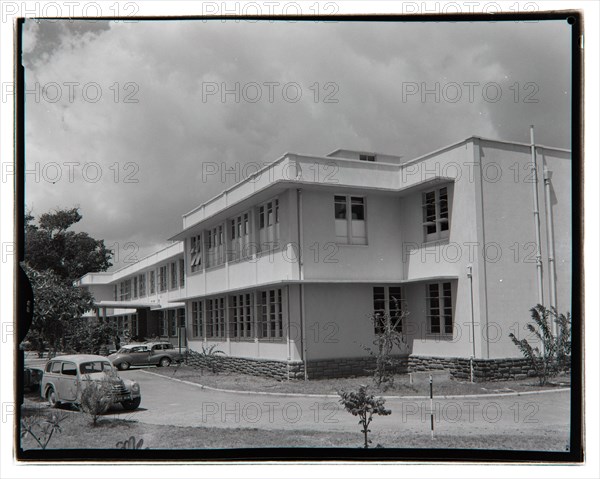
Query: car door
(139, 355)
(68, 383)
(155, 354)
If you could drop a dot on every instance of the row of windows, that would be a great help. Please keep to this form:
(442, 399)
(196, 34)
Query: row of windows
(251, 315)
(170, 320)
(243, 239)
(170, 276)
(388, 302)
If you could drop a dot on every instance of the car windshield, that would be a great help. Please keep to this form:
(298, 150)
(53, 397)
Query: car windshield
(92, 367)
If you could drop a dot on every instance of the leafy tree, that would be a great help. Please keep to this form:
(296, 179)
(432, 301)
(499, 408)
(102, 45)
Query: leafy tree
(57, 309)
(554, 353)
(90, 336)
(365, 406)
(387, 338)
(49, 245)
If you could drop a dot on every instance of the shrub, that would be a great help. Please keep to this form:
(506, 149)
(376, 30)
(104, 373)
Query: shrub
(387, 338)
(554, 353)
(96, 398)
(363, 405)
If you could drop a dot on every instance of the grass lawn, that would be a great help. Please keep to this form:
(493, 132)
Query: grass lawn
(403, 385)
(78, 433)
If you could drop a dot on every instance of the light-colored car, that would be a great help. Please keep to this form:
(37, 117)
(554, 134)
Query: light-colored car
(159, 353)
(65, 378)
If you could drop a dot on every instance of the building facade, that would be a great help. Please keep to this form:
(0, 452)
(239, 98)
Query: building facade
(284, 270)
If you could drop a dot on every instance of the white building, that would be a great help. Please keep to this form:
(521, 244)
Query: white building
(283, 270)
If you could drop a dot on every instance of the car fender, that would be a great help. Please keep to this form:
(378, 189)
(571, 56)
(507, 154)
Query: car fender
(128, 384)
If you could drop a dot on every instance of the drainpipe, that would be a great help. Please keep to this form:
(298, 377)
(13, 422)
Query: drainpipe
(470, 276)
(289, 345)
(550, 235)
(536, 219)
(301, 278)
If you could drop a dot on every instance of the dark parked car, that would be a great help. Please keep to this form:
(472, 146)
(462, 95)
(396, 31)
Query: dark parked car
(146, 354)
(32, 378)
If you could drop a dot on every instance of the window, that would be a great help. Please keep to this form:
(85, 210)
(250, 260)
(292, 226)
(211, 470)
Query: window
(439, 308)
(197, 317)
(215, 318)
(196, 253)
(135, 287)
(268, 225)
(350, 224)
(152, 282)
(270, 314)
(125, 290)
(69, 369)
(162, 323)
(142, 285)
(367, 157)
(215, 246)
(436, 223)
(173, 275)
(115, 292)
(240, 237)
(56, 367)
(240, 316)
(387, 302)
(162, 278)
(172, 322)
(181, 273)
(134, 324)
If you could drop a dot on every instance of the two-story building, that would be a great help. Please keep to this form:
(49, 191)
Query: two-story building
(284, 270)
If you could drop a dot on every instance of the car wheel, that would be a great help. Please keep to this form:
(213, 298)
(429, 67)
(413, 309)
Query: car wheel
(131, 404)
(52, 397)
(164, 362)
(124, 366)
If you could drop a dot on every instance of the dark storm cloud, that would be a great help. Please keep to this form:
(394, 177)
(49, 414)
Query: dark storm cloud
(159, 118)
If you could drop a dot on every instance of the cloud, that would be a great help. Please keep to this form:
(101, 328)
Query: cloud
(151, 102)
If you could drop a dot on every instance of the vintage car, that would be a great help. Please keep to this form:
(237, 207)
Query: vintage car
(65, 378)
(157, 353)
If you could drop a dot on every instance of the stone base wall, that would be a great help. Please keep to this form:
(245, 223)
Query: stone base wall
(279, 370)
(459, 368)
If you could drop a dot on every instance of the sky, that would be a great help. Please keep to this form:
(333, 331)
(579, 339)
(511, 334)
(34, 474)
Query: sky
(124, 120)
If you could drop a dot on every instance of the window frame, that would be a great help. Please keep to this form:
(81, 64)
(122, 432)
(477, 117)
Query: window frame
(439, 218)
(268, 233)
(389, 305)
(270, 314)
(350, 239)
(441, 315)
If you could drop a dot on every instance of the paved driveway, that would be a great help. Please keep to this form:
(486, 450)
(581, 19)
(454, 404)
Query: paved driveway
(168, 402)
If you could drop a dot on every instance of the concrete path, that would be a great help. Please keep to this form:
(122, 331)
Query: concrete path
(169, 402)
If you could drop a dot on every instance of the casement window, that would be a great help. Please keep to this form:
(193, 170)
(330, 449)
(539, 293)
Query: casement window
(162, 278)
(125, 325)
(240, 316)
(439, 308)
(115, 292)
(152, 282)
(162, 323)
(215, 249)
(436, 223)
(215, 318)
(134, 324)
(270, 314)
(125, 290)
(197, 318)
(135, 287)
(239, 234)
(181, 273)
(142, 285)
(387, 302)
(268, 225)
(173, 268)
(350, 219)
(367, 157)
(172, 322)
(196, 253)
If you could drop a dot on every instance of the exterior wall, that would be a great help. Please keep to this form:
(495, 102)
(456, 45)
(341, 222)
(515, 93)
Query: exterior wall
(511, 273)
(379, 260)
